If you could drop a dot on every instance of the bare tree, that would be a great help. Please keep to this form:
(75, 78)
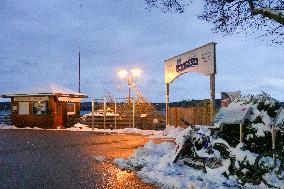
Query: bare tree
(229, 16)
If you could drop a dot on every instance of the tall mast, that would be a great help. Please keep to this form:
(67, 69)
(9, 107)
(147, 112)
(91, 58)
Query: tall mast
(79, 70)
(79, 74)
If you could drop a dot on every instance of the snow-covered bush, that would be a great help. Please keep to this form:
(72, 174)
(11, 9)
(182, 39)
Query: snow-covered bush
(257, 137)
(257, 141)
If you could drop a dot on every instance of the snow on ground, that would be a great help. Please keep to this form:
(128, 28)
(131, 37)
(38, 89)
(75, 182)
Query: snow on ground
(100, 158)
(82, 127)
(4, 126)
(154, 164)
(170, 132)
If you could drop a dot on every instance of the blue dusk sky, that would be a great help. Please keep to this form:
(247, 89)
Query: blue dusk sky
(39, 43)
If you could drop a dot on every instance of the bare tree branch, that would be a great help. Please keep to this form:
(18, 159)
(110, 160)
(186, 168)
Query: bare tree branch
(267, 12)
(229, 16)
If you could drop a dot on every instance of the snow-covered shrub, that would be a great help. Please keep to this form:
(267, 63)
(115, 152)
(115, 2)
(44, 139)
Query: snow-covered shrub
(257, 138)
(257, 141)
(257, 129)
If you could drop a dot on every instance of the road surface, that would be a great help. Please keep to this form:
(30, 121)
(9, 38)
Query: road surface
(66, 159)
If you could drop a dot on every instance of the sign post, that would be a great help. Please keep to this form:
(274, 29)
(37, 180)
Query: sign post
(115, 113)
(212, 97)
(201, 60)
(93, 109)
(167, 103)
(133, 114)
(104, 112)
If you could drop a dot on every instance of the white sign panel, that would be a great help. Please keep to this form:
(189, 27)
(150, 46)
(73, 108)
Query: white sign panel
(232, 115)
(201, 60)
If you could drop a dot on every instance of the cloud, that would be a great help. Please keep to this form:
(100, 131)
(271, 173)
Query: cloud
(40, 40)
(276, 82)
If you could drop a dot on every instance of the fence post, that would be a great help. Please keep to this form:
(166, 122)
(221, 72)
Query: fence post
(176, 116)
(167, 103)
(133, 114)
(212, 97)
(115, 113)
(93, 108)
(104, 112)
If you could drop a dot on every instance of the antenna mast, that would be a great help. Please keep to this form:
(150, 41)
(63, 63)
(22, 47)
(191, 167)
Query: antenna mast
(79, 79)
(79, 70)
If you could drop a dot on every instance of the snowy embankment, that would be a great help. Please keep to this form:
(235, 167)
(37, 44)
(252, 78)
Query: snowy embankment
(212, 157)
(154, 164)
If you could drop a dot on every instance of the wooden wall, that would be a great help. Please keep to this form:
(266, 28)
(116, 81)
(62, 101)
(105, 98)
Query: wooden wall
(42, 121)
(51, 120)
(192, 115)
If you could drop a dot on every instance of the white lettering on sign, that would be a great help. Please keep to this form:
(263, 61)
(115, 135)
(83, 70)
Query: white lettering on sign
(68, 99)
(201, 60)
(31, 98)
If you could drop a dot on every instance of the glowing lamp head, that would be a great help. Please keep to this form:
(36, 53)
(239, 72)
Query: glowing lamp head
(122, 73)
(136, 72)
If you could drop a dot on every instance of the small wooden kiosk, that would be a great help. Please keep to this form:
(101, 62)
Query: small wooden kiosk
(45, 107)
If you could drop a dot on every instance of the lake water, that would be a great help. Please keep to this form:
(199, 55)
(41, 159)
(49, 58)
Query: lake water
(2, 113)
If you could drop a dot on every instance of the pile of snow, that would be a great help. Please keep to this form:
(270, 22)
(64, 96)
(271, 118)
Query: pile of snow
(97, 113)
(171, 131)
(82, 127)
(100, 158)
(79, 127)
(4, 126)
(154, 163)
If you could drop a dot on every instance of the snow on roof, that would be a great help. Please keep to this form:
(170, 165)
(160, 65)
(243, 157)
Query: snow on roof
(50, 89)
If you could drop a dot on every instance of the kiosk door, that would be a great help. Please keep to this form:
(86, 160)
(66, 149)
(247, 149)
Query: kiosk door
(58, 117)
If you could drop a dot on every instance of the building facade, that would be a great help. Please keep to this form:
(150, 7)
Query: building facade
(53, 108)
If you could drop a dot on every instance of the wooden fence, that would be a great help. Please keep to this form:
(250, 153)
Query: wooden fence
(180, 116)
(156, 121)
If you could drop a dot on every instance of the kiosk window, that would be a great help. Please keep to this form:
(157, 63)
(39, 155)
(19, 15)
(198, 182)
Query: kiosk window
(24, 108)
(39, 108)
(71, 108)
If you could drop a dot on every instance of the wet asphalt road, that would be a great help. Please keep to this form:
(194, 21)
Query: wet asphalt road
(65, 159)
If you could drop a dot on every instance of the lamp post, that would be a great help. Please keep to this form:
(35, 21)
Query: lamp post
(130, 75)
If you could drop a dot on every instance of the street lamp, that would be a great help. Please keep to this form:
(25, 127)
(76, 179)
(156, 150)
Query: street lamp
(130, 75)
